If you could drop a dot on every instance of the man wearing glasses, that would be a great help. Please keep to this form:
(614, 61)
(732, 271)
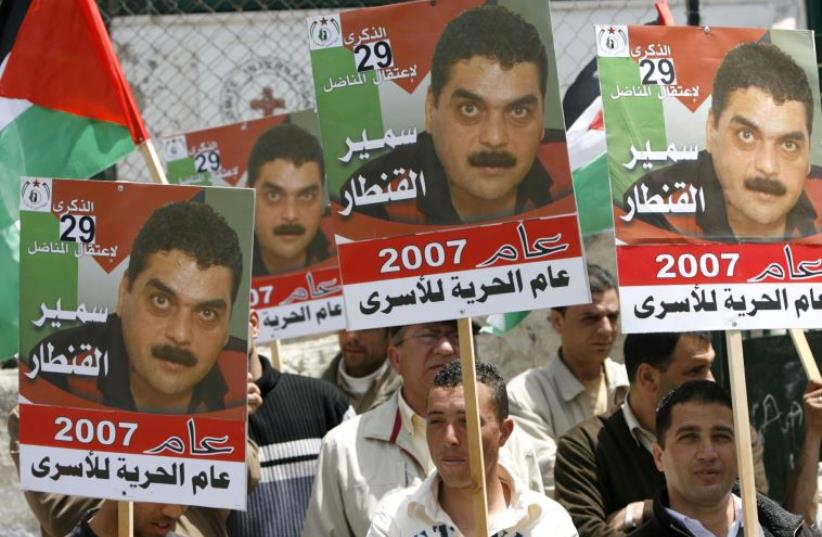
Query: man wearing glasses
(385, 449)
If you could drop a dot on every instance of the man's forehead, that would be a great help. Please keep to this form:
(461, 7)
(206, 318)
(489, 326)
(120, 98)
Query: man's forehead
(286, 174)
(605, 302)
(692, 349)
(698, 414)
(750, 100)
(180, 272)
(480, 68)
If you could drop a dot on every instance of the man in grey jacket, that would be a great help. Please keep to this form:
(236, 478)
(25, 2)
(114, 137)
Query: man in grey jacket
(580, 381)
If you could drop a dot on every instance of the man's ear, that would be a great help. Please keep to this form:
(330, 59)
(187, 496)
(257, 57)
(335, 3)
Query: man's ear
(709, 131)
(505, 429)
(656, 451)
(647, 378)
(430, 104)
(556, 318)
(122, 290)
(394, 357)
(254, 322)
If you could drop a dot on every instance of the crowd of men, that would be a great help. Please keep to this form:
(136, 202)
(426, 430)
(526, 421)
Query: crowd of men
(582, 445)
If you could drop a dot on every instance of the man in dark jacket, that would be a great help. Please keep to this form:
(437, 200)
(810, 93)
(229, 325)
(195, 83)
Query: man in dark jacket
(695, 449)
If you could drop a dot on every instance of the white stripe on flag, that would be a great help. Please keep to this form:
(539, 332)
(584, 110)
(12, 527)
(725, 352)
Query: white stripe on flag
(10, 109)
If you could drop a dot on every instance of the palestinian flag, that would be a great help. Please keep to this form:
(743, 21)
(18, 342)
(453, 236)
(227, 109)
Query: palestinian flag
(65, 111)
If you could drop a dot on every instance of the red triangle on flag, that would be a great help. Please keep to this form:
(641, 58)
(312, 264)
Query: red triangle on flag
(62, 59)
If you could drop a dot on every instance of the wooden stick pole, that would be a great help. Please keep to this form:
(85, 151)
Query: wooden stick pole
(276, 355)
(742, 426)
(155, 167)
(472, 418)
(125, 519)
(805, 354)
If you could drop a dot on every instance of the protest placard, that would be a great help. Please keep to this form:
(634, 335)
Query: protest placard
(713, 145)
(133, 327)
(296, 286)
(446, 160)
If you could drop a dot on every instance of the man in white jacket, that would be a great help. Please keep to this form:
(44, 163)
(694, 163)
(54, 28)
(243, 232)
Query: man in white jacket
(385, 449)
(442, 504)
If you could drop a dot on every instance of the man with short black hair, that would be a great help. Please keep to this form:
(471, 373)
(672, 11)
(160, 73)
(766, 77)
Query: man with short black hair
(605, 473)
(443, 504)
(484, 127)
(756, 161)
(385, 448)
(580, 381)
(169, 348)
(696, 452)
(286, 169)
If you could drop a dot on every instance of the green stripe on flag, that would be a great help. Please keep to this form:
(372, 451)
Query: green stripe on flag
(45, 143)
(593, 194)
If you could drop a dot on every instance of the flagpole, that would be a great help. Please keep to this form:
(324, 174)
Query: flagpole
(155, 167)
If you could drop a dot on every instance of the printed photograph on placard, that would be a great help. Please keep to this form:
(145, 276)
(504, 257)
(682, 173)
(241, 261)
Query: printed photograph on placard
(296, 285)
(425, 127)
(714, 155)
(718, 145)
(134, 318)
(450, 127)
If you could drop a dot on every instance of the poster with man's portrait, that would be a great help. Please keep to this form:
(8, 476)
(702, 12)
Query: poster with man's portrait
(133, 340)
(296, 286)
(446, 160)
(714, 155)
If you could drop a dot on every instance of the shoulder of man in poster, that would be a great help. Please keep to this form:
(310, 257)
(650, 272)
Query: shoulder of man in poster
(683, 198)
(93, 364)
(539, 248)
(389, 139)
(409, 185)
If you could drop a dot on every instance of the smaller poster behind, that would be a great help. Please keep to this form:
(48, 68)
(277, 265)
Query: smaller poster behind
(296, 285)
(713, 154)
(448, 173)
(133, 329)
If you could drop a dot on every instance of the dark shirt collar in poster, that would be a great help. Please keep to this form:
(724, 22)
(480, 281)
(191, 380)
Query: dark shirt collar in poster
(713, 222)
(112, 389)
(435, 207)
(318, 250)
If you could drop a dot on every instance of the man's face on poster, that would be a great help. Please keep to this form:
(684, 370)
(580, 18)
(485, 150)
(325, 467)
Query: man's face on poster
(289, 206)
(486, 126)
(175, 318)
(761, 154)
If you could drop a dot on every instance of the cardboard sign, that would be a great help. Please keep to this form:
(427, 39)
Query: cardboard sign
(296, 286)
(712, 155)
(133, 327)
(446, 160)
